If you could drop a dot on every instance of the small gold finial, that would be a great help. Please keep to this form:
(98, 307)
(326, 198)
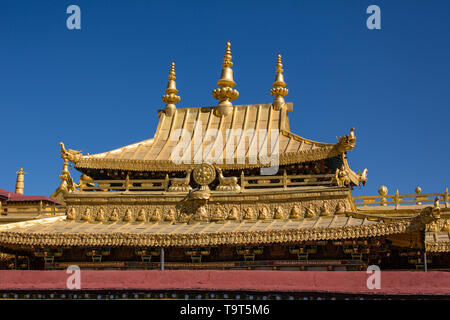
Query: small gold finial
(20, 181)
(418, 190)
(225, 93)
(279, 90)
(170, 98)
(383, 191)
(227, 57)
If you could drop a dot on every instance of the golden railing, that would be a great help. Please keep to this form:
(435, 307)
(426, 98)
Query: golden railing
(285, 181)
(125, 185)
(33, 209)
(383, 199)
(246, 182)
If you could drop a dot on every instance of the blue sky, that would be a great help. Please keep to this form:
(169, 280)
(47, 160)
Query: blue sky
(100, 87)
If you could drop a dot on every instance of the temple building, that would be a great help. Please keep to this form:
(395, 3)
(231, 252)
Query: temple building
(230, 187)
(15, 206)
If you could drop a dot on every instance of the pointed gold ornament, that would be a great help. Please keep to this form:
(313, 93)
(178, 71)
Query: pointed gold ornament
(279, 90)
(225, 93)
(170, 98)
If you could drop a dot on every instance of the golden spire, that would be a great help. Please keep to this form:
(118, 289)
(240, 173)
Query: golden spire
(279, 90)
(225, 93)
(170, 98)
(20, 181)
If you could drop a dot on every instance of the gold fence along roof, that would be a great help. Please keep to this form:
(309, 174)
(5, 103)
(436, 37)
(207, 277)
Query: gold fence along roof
(155, 154)
(61, 232)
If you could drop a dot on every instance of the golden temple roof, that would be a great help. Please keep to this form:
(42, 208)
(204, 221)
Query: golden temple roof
(156, 153)
(62, 232)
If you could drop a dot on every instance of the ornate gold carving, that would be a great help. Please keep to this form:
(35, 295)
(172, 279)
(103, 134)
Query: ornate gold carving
(100, 215)
(86, 215)
(201, 214)
(279, 90)
(446, 225)
(436, 207)
(325, 210)
(214, 239)
(279, 213)
(114, 215)
(142, 215)
(296, 212)
(425, 217)
(347, 142)
(156, 216)
(234, 214)
(85, 180)
(362, 177)
(69, 154)
(204, 174)
(128, 215)
(218, 214)
(170, 215)
(342, 177)
(227, 183)
(434, 226)
(225, 93)
(310, 211)
(184, 217)
(181, 184)
(438, 225)
(340, 208)
(279, 206)
(264, 213)
(443, 246)
(249, 214)
(67, 185)
(71, 214)
(171, 98)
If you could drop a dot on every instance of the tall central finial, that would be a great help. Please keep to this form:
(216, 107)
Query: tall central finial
(170, 98)
(225, 93)
(279, 90)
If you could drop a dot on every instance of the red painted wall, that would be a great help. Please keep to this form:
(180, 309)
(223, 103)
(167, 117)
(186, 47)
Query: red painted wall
(392, 282)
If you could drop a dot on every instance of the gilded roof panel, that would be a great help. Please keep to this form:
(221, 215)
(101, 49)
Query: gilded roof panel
(196, 121)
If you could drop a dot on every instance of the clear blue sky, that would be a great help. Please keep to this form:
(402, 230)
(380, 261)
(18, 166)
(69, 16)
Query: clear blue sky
(100, 87)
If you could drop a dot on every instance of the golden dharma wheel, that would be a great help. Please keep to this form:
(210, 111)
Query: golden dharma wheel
(204, 174)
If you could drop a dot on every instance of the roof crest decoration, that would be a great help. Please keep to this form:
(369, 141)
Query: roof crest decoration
(279, 90)
(171, 98)
(225, 93)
